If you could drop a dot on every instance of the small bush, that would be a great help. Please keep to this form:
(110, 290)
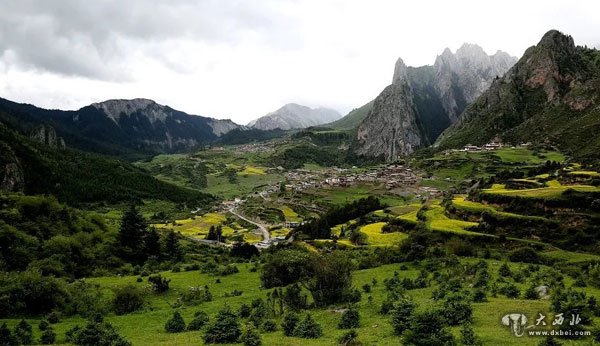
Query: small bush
(199, 321)
(127, 300)
(224, 329)
(176, 324)
(48, 337)
(268, 326)
(159, 284)
(244, 311)
(348, 338)
(251, 337)
(6, 336)
(290, 320)
(53, 317)
(350, 319)
(308, 328)
(24, 333)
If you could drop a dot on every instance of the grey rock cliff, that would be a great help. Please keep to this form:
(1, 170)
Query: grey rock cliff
(422, 102)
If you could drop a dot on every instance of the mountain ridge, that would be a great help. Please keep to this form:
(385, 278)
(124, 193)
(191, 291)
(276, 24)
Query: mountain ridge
(423, 101)
(550, 95)
(295, 116)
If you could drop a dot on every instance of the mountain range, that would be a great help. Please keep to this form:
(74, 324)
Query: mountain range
(551, 95)
(119, 127)
(295, 116)
(423, 101)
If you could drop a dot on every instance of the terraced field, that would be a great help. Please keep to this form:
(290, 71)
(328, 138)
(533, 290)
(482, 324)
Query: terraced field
(438, 221)
(376, 238)
(461, 203)
(544, 192)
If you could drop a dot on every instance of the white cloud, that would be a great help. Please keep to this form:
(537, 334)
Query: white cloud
(242, 59)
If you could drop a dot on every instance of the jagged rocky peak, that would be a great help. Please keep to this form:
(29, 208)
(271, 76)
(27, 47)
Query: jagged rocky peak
(555, 39)
(46, 134)
(423, 101)
(400, 71)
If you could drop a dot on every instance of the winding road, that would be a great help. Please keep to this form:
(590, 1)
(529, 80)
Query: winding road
(262, 228)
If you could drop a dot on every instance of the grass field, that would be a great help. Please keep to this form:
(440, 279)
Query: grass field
(290, 214)
(247, 183)
(147, 327)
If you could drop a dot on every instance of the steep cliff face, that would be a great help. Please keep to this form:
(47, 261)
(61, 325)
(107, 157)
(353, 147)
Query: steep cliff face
(423, 101)
(552, 94)
(398, 132)
(11, 172)
(295, 116)
(46, 134)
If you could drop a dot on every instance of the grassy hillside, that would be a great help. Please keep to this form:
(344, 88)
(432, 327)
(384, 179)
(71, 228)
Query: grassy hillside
(352, 119)
(76, 177)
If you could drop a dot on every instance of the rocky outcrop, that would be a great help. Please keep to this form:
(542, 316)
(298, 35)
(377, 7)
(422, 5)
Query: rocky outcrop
(552, 94)
(46, 134)
(422, 102)
(295, 116)
(11, 172)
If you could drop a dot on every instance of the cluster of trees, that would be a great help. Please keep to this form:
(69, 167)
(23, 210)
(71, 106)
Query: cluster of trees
(328, 276)
(137, 243)
(321, 227)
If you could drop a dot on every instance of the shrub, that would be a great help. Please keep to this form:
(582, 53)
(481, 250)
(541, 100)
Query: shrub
(479, 296)
(224, 329)
(43, 325)
(504, 270)
(510, 291)
(549, 341)
(127, 300)
(531, 293)
(200, 320)
(6, 337)
(244, 311)
(251, 337)
(268, 326)
(196, 295)
(308, 328)
(290, 320)
(24, 333)
(348, 338)
(350, 319)
(428, 328)
(366, 288)
(457, 310)
(176, 324)
(294, 299)
(468, 337)
(402, 312)
(53, 317)
(525, 254)
(96, 332)
(48, 337)
(228, 270)
(159, 284)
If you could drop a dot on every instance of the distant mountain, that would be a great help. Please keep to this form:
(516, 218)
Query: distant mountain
(552, 95)
(295, 116)
(352, 119)
(119, 127)
(423, 101)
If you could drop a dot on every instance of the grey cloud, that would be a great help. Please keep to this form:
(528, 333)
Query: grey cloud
(92, 38)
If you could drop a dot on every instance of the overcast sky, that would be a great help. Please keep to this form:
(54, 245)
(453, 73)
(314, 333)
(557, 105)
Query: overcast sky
(242, 59)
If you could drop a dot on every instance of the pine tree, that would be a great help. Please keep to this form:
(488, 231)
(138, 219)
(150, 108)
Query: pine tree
(171, 248)
(152, 243)
(251, 337)
(224, 329)
(131, 236)
(468, 336)
(6, 337)
(24, 332)
(176, 324)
